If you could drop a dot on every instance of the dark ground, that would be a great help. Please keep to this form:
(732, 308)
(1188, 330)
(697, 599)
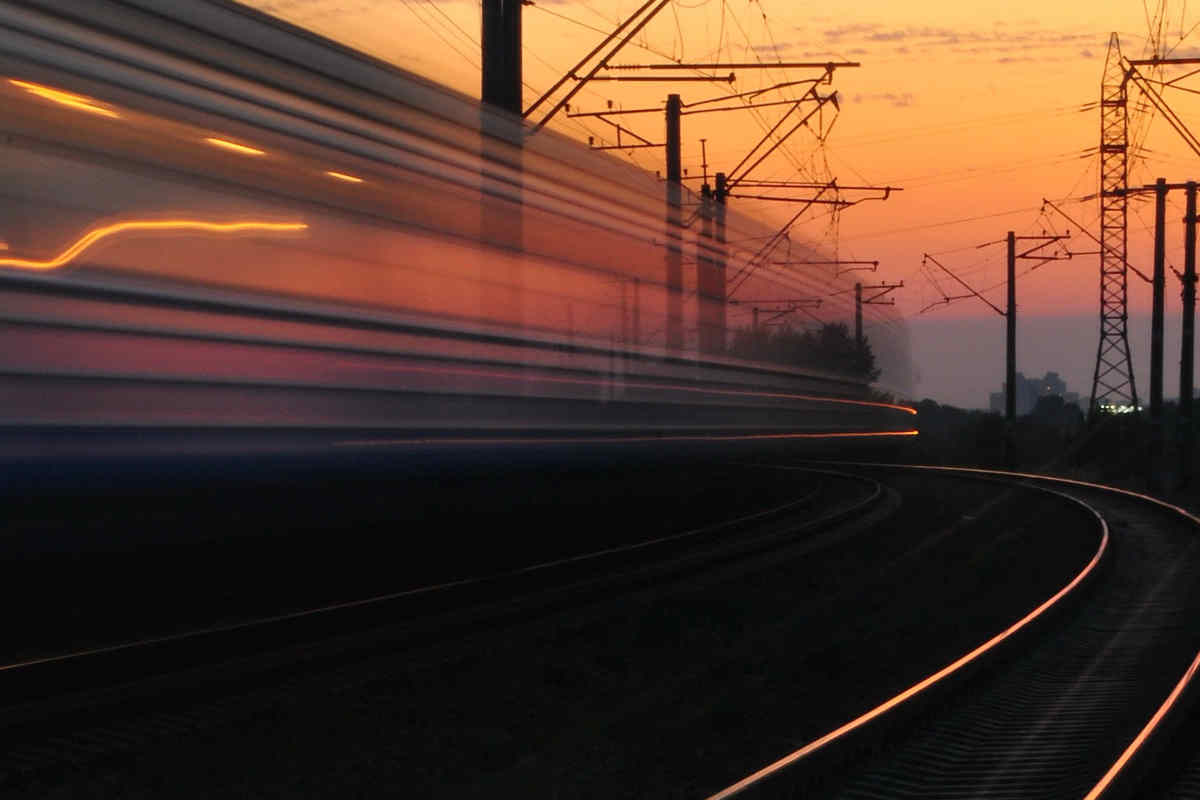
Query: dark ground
(670, 692)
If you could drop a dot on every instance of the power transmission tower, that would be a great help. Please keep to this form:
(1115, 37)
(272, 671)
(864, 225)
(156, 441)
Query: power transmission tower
(1113, 381)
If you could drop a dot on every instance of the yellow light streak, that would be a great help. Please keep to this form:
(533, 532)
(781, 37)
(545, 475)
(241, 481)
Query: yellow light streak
(76, 101)
(234, 146)
(91, 237)
(341, 176)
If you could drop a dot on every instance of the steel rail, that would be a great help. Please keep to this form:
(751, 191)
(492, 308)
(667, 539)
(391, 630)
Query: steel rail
(947, 671)
(1105, 785)
(873, 496)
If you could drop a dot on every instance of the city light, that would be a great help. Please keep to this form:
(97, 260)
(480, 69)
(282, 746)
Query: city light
(93, 236)
(234, 146)
(1117, 408)
(76, 101)
(341, 176)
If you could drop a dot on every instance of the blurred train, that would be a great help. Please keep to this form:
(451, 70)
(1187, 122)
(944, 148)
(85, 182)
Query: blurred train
(210, 219)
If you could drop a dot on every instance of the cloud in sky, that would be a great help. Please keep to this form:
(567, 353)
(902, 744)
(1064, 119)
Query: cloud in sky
(998, 38)
(896, 99)
(848, 30)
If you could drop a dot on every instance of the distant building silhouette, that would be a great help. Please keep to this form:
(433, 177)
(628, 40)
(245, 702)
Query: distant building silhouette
(1030, 389)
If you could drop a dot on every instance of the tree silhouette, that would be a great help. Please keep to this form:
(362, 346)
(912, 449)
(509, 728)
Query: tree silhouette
(829, 348)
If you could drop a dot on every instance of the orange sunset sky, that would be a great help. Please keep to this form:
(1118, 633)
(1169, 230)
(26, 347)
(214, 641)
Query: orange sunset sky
(977, 110)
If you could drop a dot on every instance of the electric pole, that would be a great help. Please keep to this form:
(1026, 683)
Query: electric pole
(858, 314)
(1158, 284)
(884, 289)
(1185, 434)
(1158, 281)
(502, 138)
(1010, 317)
(674, 252)
(719, 266)
(501, 43)
(1010, 359)
(710, 270)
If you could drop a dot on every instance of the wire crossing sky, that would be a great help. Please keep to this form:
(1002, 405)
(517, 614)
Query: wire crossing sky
(978, 110)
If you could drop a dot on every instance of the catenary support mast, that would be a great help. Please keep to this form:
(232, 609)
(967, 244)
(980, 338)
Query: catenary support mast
(1113, 381)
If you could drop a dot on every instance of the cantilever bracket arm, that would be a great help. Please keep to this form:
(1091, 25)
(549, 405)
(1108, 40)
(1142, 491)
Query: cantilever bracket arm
(1095, 239)
(756, 92)
(947, 300)
(645, 12)
(1045, 241)
(1164, 108)
(926, 257)
(884, 289)
(737, 174)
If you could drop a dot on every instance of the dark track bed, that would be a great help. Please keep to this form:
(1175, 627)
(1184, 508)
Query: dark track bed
(669, 693)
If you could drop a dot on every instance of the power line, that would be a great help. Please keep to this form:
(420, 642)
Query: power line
(943, 223)
(471, 59)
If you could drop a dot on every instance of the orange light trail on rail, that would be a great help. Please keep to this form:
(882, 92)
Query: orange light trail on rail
(245, 150)
(669, 386)
(1156, 719)
(924, 684)
(1145, 732)
(342, 176)
(683, 437)
(76, 101)
(91, 237)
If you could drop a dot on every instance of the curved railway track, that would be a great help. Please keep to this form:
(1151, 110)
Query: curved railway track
(1071, 701)
(1080, 711)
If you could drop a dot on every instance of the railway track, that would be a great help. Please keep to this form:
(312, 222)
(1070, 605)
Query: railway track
(1044, 714)
(1081, 709)
(74, 707)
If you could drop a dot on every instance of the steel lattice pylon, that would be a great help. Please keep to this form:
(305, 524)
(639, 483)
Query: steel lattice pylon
(1113, 383)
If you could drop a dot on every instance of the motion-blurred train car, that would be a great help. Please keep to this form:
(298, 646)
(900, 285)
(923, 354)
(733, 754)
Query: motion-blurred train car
(212, 219)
